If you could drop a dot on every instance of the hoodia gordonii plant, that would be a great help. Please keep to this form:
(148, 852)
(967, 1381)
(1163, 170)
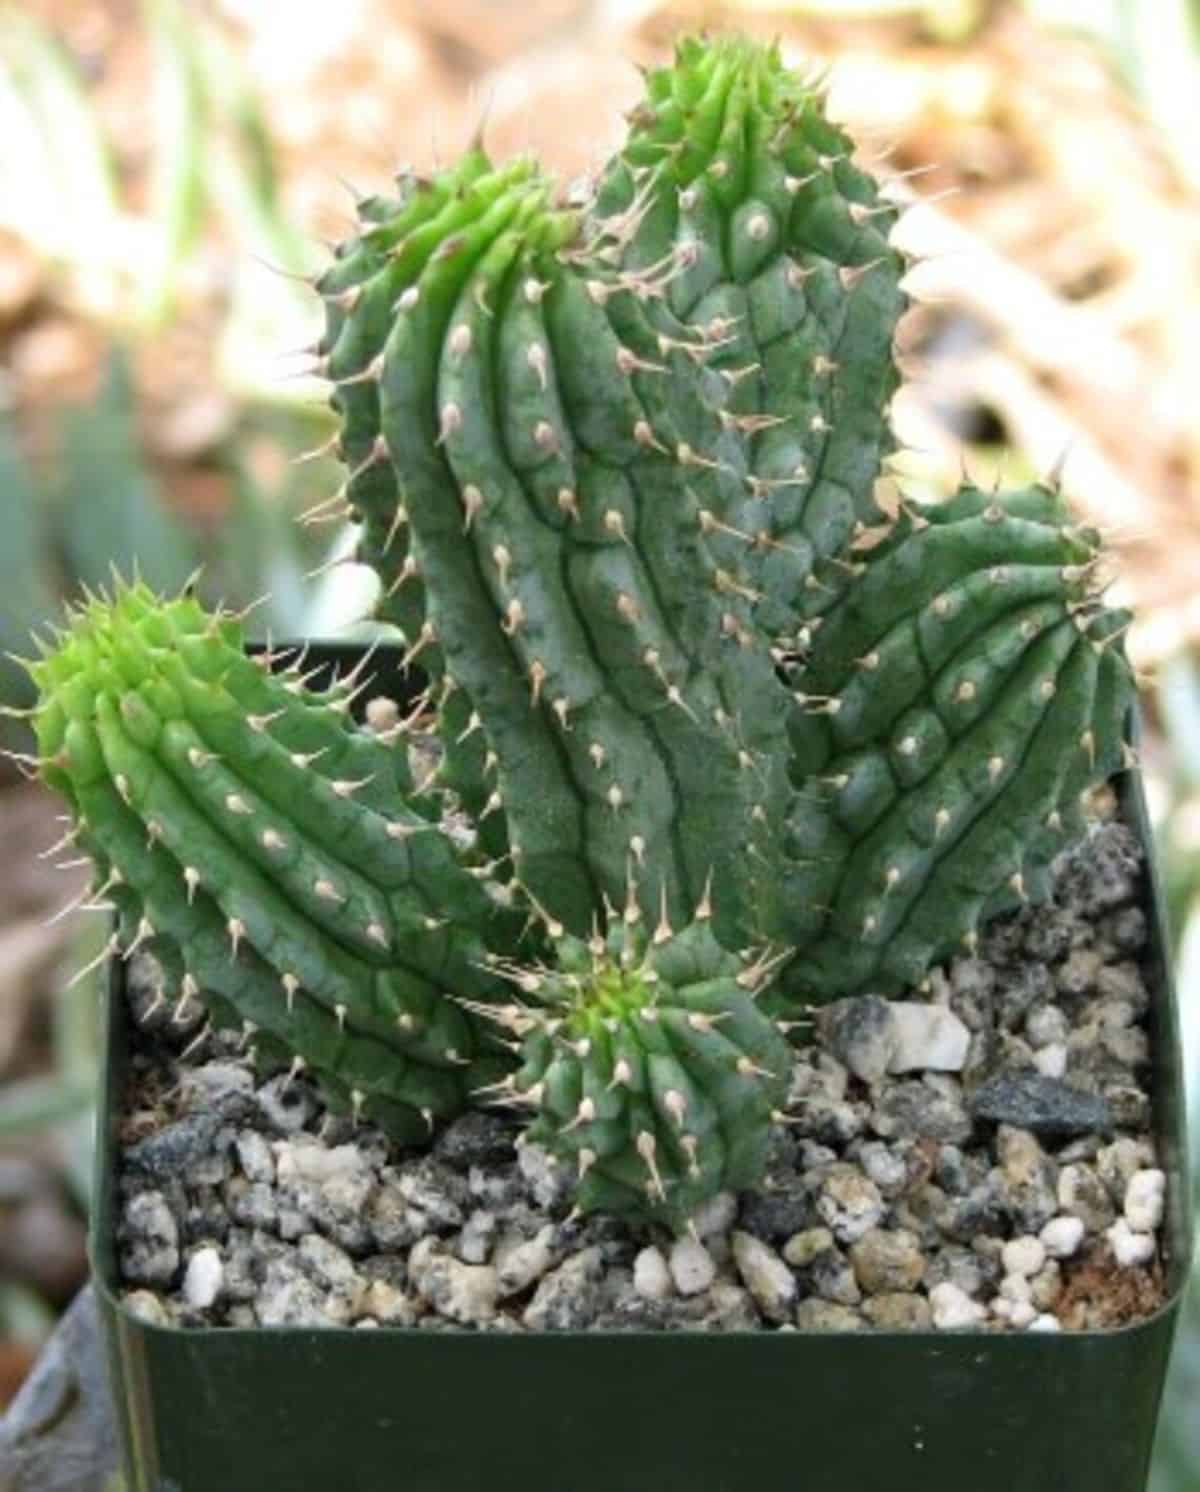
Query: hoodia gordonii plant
(719, 737)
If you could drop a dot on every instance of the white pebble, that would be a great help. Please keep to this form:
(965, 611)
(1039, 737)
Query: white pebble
(928, 1038)
(1001, 1307)
(1045, 1322)
(651, 1277)
(1017, 1289)
(692, 1267)
(306, 1160)
(953, 1307)
(203, 1277)
(1023, 1256)
(765, 1275)
(1062, 1236)
(1129, 1248)
(1023, 1314)
(1145, 1198)
(1051, 1061)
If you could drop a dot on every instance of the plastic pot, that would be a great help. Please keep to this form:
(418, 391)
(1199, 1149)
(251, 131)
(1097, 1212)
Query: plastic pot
(340, 1410)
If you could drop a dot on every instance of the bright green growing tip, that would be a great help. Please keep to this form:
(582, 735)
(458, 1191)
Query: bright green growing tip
(652, 1072)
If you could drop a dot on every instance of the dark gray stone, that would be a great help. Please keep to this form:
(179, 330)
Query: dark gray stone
(476, 1139)
(1044, 1105)
(177, 1147)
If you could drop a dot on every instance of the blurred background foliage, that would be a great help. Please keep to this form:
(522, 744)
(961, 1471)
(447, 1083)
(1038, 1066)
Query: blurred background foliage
(172, 172)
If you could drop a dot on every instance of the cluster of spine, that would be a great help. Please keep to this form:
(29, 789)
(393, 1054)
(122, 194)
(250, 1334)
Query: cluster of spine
(614, 461)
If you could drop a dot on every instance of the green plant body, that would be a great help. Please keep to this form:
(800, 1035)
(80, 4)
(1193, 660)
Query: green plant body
(719, 736)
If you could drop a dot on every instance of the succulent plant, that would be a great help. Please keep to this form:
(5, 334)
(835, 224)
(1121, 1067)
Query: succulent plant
(719, 737)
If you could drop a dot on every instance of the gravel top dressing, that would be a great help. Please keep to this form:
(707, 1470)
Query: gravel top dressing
(977, 1155)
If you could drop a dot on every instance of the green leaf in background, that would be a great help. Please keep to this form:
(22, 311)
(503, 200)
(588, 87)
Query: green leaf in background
(109, 512)
(29, 599)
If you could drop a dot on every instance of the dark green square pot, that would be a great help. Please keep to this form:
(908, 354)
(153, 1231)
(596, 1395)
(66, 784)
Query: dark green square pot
(396, 1410)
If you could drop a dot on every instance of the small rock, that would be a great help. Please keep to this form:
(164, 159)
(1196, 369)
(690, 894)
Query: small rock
(848, 1203)
(1051, 1061)
(466, 1293)
(776, 1215)
(254, 1157)
(955, 1174)
(1046, 1025)
(651, 1276)
(1129, 1046)
(1023, 1314)
(569, 1297)
(972, 985)
(823, 1315)
(765, 1275)
(922, 1109)
(474, 1244)
(176, 1147)
(1128, 1104)
(437, 1193)
(202, 1278)
(475, 1138)
(241, 1278)
(1062, 1236)
(328, 1265)
(1145, 1200)
(717, 1215)
(1016, 1288)
(306, 1160)
(549, 1183)
(224, 1086)
(884, 1166)
(1116, 1164)
(391, 1221)
(927, 1038)
(887, 1262)
(1043, 1105)
(290, 1298)
(1045, 1322)
(953, 1309)
(1082, 1194)
(254, 1206)
(861, 1034)
(1129, 1248)
(831, 1277)
(1047, 1285)
(691, 1266)
(730, 1308)
(969, 1271)
(898, 1312)
(1079, 973)
(1021, 990)
(149, 1240)
(1023, 1256)
(802, 1248)
(1028, 1177)
(340, 1206)
(833, 1121)
(520, 1264)
(1124, 982)
(384, 1304)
